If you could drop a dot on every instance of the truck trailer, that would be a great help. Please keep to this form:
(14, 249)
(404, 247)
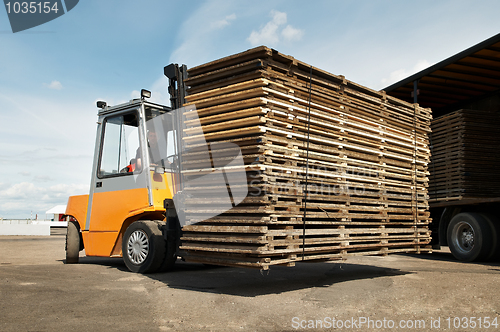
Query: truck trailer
(464, 181)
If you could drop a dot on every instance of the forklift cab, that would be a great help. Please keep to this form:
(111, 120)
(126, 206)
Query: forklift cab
(134, 171)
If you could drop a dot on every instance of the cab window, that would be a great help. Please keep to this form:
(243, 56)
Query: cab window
(162, 138)
(120, 144)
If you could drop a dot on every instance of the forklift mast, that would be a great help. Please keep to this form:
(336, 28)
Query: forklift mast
(176, 87)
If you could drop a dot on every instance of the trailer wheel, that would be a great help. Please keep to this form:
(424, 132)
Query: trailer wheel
(469, 237)
(494, 224)
(72, 243)
(143, 246)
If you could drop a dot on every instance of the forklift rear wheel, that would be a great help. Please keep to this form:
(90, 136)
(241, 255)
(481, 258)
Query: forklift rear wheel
(469, 237)
(143, 246)
(72, 243)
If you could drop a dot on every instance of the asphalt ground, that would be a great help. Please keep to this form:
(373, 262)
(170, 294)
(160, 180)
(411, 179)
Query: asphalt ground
(428, 292)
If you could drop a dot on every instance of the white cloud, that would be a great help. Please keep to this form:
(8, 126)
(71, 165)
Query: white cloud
(224, 22)
(135, 94)
(159, 91)
(43, 178)
(19, 199)
(292, 34)
(400, 74)
(270, 34)
(54, 85)
(18, 190)
(278, 17)
(47, 142)
(204, 35)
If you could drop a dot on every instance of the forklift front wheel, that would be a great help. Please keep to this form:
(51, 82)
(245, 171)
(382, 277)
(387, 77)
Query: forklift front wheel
(143, 246)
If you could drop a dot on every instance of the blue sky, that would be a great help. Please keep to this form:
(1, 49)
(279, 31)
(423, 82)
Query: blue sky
(51, 75)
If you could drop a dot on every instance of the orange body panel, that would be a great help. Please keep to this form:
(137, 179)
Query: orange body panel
(111, 208)
(99, 243)
(109, 211)
(77, 207)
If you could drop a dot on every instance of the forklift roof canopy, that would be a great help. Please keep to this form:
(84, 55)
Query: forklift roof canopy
(467, 76)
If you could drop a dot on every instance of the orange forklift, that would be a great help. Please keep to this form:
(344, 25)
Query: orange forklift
(129, 211)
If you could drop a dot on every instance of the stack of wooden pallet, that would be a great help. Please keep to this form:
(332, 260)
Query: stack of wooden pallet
(333, 168)
(465, 156)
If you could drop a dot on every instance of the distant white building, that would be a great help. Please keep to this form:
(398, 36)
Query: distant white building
(58, 211)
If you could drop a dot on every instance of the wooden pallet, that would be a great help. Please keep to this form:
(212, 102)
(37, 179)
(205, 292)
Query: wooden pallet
(333, 168)
(465, 160)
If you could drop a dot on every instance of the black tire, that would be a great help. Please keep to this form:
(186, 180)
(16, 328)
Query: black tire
(143, 246)
(494, 224)
(72, 243)
(469, 237)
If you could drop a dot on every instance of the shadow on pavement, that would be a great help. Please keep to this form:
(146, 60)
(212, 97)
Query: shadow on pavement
(103, 261)
(253, 282)
(250, 282)
(435, 256)
(446, 256)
